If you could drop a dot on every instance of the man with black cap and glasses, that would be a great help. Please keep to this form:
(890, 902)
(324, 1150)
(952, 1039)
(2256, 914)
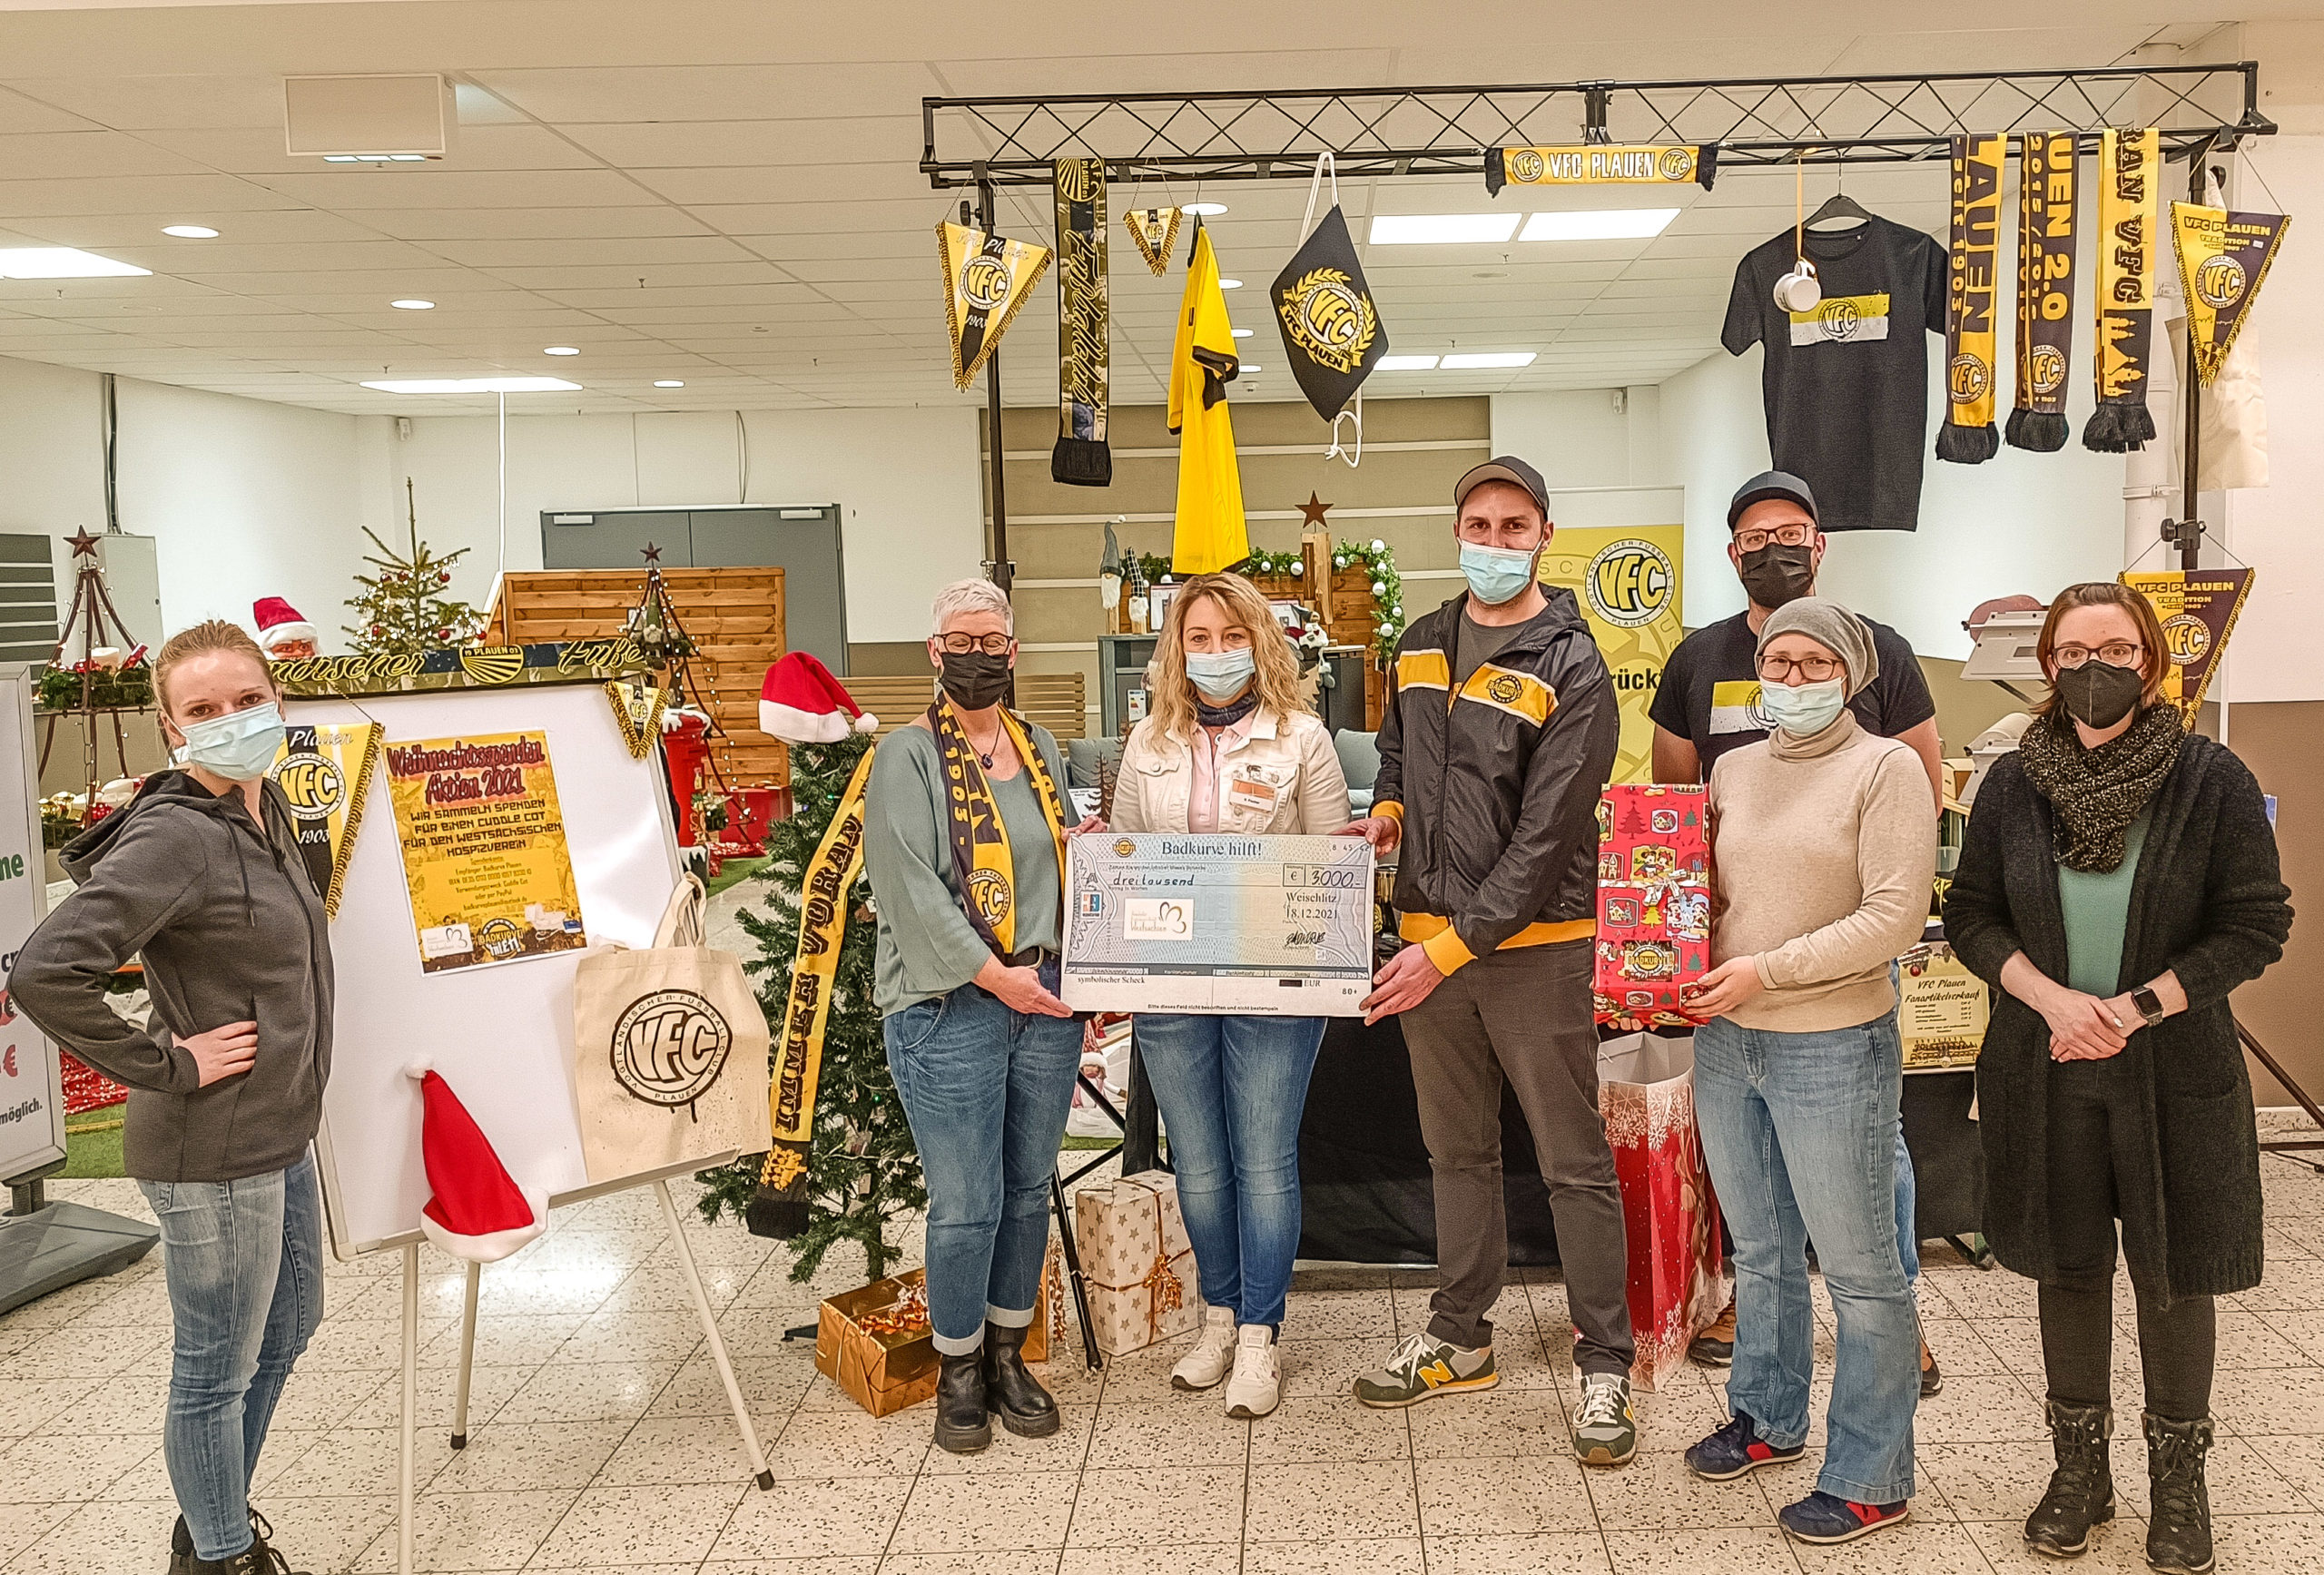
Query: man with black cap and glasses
(1499, 730)
(1708, 704)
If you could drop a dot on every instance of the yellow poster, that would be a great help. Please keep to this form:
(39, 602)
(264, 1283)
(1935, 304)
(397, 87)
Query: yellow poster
(484, 849)
(1627, 579)
(325, 772)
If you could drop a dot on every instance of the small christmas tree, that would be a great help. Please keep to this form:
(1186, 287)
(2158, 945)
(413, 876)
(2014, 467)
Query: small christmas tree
(402, 610)
(863, 1166)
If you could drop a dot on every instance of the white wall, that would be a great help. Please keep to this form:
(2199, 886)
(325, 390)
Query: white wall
(1577, 437)
(908, 481)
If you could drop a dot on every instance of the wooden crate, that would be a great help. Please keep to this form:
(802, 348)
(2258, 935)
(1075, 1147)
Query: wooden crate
(734, 616)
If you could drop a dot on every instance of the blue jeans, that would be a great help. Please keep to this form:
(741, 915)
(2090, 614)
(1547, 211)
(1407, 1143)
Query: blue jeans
(1231, 1091)
(987, 1090)
(1800, 1130)
(245, 1263)
(1908, 1203)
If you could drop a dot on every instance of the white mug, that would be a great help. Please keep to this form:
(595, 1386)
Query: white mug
(1799, 290)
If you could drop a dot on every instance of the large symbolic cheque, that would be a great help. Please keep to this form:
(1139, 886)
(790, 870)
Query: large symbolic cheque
(484, 849)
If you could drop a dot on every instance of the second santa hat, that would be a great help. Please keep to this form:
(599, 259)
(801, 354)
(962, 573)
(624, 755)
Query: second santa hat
(479, 1213)
(279, 621)
(801, 702)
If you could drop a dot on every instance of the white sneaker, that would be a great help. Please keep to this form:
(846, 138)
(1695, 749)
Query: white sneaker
(1206, 1364)
(1258, 1383)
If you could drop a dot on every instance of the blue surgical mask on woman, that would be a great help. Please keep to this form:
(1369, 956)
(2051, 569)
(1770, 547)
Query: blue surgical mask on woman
(1220, 674)
(1496, 574)
(238, 746)
(1805, 711)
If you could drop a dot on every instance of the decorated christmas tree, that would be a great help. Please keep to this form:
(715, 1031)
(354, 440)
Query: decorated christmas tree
(863, 1166)
(402, 609)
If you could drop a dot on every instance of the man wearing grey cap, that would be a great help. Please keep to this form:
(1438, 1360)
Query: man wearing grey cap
(1499, 731)
(1708, 704)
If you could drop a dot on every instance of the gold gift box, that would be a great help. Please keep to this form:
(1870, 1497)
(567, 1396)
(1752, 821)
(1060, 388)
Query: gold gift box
(875, 1342)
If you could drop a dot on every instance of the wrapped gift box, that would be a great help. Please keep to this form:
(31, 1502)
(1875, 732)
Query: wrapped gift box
(875, 1343)
(1645, 1091)
(1136, 1264)
(1653, 903)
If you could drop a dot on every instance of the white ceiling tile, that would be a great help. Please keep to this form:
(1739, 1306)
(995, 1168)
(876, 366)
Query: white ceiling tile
(142, 103)
(362, 189)
(709, 92)
(547, 223)
(134, 195)
(888, 140)
(630, 252)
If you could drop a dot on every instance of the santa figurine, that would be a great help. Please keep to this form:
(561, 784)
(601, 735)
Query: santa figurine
(282, 633)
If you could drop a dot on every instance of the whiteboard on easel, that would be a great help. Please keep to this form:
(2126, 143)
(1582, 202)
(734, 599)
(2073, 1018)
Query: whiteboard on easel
(32, 1075)
(502, 1036)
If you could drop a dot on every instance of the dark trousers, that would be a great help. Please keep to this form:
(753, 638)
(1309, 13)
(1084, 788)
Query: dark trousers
(1523, 1015)
(2094, 1116)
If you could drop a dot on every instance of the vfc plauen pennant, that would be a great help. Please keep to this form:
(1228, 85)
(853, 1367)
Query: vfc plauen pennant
(1152, 231)
(2223, 260)
(986, 279)
(1331, 329)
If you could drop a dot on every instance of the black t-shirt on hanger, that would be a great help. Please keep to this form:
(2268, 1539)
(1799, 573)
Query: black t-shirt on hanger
(1847, 383)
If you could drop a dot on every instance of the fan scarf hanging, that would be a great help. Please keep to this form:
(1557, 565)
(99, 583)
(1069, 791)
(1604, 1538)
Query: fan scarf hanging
(1081, 458)
(1973, 288)
(1602, 164)
(986, 280)
(2045, 234)
(2130, 170)
(1154, 231)
(2223, 260)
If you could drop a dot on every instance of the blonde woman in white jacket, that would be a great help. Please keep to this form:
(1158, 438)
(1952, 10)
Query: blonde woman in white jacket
(1229, 748)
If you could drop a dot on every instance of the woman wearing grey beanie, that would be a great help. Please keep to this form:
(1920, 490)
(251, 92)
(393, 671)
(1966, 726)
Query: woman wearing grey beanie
(1823, 851)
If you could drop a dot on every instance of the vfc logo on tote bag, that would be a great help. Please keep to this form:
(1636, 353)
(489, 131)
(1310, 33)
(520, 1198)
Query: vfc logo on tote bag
(671, 1051)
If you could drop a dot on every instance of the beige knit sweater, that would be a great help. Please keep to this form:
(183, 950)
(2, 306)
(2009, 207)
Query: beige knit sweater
(1822, 854)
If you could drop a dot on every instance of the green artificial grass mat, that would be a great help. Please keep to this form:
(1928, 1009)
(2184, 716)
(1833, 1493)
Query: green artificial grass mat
(735, 869)
(94, 1154)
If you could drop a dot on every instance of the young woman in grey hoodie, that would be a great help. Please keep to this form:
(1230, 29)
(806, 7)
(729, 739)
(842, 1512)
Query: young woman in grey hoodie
(201, 875)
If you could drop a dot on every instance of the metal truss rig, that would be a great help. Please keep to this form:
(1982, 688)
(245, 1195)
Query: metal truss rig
(1444, 131)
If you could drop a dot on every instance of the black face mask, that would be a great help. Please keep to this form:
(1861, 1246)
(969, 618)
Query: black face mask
(1775, 573)
(975, 679)
(2097, 695)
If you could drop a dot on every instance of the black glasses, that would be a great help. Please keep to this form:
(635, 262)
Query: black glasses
(2114, 654)
(1815, 669)
(1792, 535)
(961, 644)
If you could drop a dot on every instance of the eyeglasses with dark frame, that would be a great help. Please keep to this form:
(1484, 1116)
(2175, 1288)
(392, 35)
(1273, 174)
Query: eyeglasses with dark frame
(961, 644)
(2113, 653)
(1775, 669)
(1792, 534)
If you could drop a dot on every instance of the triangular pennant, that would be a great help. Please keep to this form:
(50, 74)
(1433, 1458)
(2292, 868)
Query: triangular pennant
(2197, 609)
(2223, 260)
(638, 704)
(1154, 231)
(1331, 329)
(986, 279)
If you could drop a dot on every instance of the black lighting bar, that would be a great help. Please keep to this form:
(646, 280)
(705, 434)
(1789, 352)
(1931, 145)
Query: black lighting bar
(1445, 131)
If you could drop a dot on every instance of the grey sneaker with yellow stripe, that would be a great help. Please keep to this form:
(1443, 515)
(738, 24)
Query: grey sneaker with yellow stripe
(1424, 1367)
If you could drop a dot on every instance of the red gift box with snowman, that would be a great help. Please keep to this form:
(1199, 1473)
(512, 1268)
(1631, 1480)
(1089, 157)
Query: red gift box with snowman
(1653, 903)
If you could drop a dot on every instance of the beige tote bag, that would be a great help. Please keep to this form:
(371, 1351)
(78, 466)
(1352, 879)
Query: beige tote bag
(670, 1050)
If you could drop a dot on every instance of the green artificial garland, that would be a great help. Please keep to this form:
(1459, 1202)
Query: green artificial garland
(1379, 560)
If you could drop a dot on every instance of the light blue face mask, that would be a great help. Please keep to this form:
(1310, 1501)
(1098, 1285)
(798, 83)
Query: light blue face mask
(1496, 574)
(238, 746)
(1806, 710)
(1220, 674)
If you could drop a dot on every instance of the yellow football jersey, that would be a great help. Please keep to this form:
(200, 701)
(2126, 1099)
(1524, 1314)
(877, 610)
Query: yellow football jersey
(1211, 532)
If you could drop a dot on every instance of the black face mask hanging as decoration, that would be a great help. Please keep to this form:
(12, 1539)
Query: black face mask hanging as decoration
(2099, 694)
(1331, 329)
(975, 679)
(1775, 573)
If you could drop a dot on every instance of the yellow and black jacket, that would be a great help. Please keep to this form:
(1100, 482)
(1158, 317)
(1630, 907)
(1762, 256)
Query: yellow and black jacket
(1497, 787)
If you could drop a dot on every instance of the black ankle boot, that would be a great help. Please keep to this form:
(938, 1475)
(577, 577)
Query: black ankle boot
(2179, 1520)
(1026, 1408)
(960, 1425)
(2082, 1490)
(182, 1544)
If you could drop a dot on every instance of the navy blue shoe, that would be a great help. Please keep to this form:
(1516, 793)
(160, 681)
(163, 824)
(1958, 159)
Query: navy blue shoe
(1734, 1448)
(1822, 1517)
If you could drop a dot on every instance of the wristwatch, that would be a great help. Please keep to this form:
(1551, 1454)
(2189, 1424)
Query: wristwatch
(2148, 1004)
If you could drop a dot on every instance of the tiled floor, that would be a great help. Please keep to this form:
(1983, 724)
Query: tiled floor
(600, 1436)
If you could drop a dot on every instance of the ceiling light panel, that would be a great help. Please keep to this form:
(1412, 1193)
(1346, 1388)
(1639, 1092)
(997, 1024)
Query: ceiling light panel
(474, 386)
(1442, 228)
(63, 262)
(1405, 364)
(1482, 360)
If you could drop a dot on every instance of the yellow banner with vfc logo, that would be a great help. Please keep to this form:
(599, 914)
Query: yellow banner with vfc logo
(1626, 578)
(1602, 164)
(325, 772)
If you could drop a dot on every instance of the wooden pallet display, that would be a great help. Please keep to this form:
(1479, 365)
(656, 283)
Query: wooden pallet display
(734, 616)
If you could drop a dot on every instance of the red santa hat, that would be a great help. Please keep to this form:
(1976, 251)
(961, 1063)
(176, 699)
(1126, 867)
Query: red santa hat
(279, 621)
(478, 1212)
(801, 702)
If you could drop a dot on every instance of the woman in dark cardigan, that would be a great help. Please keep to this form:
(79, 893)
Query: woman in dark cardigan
(2118, 878)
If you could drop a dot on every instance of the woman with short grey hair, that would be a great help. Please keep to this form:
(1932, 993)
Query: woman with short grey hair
(965, 822)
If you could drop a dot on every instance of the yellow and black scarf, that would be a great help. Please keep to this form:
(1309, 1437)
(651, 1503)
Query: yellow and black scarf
(2129, 172)
(1080, 457)
(1602, 164)
(1972, 289)
(978, 837)
(2045, 235)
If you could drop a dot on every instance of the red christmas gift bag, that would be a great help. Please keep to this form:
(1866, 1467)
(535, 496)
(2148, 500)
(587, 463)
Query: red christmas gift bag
(1646, 1092)
(1653, 903)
